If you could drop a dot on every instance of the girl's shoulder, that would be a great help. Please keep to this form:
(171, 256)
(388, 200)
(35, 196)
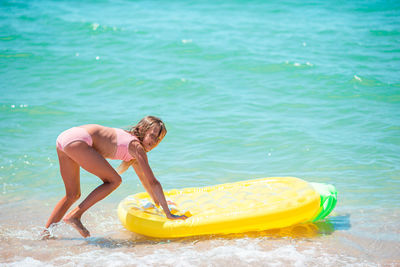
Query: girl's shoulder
(135, 147)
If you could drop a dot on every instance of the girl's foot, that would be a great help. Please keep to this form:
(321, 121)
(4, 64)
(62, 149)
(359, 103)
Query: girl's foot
(46, 235)
(77, 224)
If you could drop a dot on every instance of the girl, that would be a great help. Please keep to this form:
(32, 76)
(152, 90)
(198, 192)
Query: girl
(88, 146)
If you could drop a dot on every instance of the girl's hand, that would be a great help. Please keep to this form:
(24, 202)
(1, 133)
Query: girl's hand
(176, 217)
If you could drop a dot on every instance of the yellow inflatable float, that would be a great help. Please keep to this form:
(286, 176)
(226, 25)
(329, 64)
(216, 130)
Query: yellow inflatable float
(245, 206)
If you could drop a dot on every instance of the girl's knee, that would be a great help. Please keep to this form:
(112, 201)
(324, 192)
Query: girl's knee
(118, 181)
(115, 181)
(72, 197)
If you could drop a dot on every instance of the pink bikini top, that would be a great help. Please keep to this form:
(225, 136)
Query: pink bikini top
(123, 140)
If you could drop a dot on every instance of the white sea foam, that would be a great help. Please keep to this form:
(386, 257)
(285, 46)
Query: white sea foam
(28, 261)
(95, 26)
(241, 252)
(31, 233)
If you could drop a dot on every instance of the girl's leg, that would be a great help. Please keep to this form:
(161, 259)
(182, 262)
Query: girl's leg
(69, 170)
(89, 159)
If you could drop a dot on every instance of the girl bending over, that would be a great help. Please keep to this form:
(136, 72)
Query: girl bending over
(88, 146)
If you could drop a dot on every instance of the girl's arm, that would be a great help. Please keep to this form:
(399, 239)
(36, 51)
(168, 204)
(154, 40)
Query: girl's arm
(148, 179)
(142, 178)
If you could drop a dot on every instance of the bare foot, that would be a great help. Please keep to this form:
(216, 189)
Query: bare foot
(77, 224)
(46, 235)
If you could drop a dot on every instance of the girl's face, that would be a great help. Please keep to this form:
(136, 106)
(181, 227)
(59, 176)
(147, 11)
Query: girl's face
(152, 138)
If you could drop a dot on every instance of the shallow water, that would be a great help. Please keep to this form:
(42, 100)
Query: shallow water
(247, 90)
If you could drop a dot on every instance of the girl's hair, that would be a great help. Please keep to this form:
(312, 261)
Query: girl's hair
(140, 130)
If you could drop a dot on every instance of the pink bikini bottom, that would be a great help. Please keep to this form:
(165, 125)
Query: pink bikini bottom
(72, 135)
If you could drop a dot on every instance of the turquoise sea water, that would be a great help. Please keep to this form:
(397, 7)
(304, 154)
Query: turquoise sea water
(247, 89)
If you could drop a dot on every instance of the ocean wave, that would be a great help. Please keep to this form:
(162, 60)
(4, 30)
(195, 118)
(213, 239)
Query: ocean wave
(242, 252)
